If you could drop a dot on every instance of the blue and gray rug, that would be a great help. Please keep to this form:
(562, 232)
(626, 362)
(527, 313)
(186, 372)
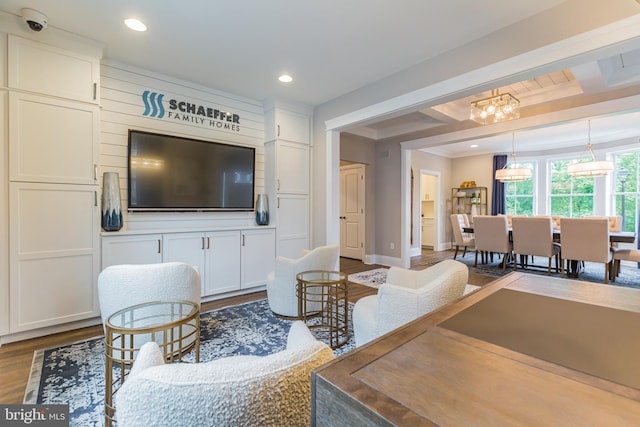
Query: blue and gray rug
(74, 374)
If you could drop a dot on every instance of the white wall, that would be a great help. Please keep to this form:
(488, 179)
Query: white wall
(121, 95)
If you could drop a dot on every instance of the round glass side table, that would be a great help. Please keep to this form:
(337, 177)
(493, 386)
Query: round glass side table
(174, 325)
(323, 305)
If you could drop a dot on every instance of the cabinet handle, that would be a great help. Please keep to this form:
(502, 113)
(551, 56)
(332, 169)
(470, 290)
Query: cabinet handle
(202, 242)
(95, 172)
(278, 130)
(95, 198)
(159, 246)
(243, 240)
(95, 91)
(208, 242)
(278, 200)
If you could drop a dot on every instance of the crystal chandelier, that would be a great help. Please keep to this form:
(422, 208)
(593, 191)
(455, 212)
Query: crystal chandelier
(513, 173)
(497, 108)
(592, 168)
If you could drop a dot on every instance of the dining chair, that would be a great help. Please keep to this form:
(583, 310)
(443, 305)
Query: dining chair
(458, 222)
(534, 236)
(492, 235)
(586, 239)
(623, 255)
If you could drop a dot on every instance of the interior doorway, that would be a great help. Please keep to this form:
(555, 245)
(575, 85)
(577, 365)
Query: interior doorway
(429, 209)
(352, 211)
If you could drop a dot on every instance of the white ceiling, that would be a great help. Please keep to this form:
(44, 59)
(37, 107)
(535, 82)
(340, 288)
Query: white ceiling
(334, 47)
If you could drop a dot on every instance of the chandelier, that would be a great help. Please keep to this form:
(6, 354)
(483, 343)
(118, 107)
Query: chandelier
(513, 173)
(592, 168)
(497, 108)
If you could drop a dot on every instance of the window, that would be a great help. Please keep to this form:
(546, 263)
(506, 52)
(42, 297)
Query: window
(625, 192)
(570, 197)
(519, 196)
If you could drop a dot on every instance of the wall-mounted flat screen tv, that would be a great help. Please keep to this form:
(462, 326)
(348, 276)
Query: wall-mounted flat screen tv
(170, 173)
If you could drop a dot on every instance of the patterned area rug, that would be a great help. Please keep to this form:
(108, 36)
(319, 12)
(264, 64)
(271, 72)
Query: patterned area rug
(373, 278)
(74, 373)
(377, 277)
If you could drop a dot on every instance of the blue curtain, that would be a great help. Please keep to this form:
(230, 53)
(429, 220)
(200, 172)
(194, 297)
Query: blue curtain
(498, 199)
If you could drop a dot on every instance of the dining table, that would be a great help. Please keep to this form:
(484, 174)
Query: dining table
(614, 236)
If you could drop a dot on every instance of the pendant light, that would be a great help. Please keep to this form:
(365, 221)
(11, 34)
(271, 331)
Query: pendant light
(592, 168)
(513, 173)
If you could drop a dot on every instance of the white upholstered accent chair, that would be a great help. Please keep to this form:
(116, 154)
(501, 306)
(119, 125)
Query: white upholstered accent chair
(282, 283)
(122, 286)
(534, 236)
(492, 235)
(462, 239)
(407, 295)
(273, 390)
(586, 239)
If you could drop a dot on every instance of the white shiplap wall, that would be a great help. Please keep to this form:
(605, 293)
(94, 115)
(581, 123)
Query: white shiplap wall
(122, 107)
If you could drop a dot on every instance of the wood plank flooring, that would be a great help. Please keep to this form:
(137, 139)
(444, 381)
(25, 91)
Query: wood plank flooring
(16, 358)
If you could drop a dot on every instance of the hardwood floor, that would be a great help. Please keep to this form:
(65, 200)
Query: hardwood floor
(16, 358)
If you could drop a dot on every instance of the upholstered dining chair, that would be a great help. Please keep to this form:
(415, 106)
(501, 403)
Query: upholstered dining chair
(623, 255)
(462, 239)
(586, 239)
(534, 236)
(492, 235)
(282, 284)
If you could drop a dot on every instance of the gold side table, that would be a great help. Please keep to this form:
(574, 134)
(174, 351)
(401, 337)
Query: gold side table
(174, 325)
(323, 305)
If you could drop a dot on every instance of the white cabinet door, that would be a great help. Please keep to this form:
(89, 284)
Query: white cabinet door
(293, 224)
(37, 67)
(292, 168)
(223, 262)
(54, 259)
(287, 125)
(52, 140)
(258, 256)
(188, 248)
(131, 249)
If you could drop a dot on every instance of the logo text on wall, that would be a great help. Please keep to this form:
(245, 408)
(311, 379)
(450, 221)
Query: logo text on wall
(189, 112)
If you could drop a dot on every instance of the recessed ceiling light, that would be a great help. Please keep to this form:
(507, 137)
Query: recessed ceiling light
(473, 146)
(135, 24)
(285, 78)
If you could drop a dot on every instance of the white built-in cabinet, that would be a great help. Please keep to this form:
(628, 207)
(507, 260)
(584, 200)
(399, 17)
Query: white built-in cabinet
(287, 176)
(228, 260)
(54, 214)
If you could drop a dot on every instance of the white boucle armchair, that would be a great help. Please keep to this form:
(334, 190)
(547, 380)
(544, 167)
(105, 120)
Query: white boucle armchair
(282, 283)
(272, 390)
(407, 295)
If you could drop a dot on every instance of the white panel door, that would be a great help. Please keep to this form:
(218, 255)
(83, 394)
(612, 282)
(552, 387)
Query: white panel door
(188, 248)
(258, 256)
(54, 246)
(52, 140)
(293, 225)
(223, 262)
(131, 249)
(292, 166)
(37, 67)
(352, 212)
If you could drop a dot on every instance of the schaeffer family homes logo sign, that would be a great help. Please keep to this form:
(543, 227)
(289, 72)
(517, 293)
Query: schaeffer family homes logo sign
(183, 111)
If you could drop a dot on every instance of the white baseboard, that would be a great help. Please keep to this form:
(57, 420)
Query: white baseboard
(383, 260)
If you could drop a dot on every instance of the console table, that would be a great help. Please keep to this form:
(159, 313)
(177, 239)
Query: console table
(524, 350)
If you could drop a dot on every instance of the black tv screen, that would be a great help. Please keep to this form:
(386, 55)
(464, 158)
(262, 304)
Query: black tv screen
(170, 173)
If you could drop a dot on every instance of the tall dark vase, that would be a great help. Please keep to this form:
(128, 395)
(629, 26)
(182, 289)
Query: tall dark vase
(262, 210)
(111, 204)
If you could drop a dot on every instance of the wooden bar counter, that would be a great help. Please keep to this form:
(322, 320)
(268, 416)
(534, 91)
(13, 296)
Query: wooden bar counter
(525, 350)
